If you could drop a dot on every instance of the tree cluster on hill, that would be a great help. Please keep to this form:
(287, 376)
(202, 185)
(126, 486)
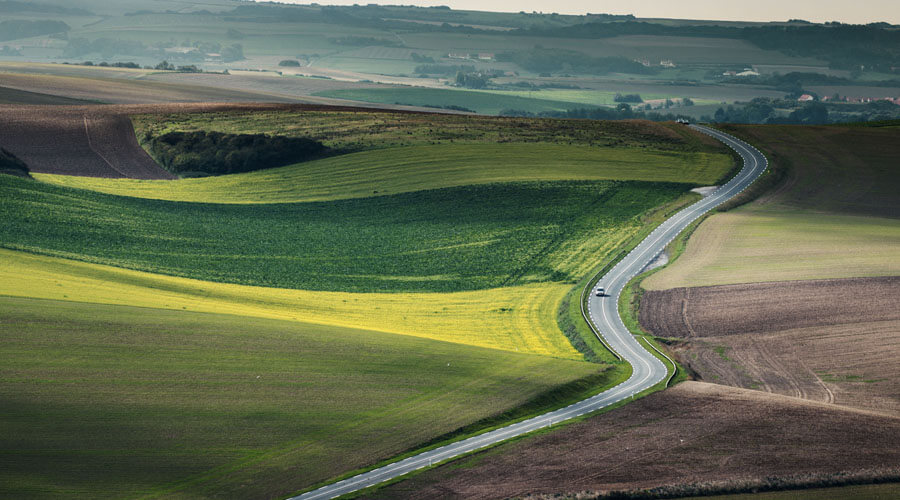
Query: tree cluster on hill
(476, 80)
(444, 69)
(215, 153)
(758, 111)
(629, 98)
(104, 64)
(419, 58)
(788, 111)
(14, 29)
(289, 63)
(11, 165)
(795, 82)
(541, 60)
(621, 112)
(873, 46)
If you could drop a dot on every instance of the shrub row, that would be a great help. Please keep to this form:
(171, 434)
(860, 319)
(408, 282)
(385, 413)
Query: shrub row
(215, 153)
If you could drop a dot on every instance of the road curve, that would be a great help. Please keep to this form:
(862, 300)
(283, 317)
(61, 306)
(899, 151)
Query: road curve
(603, 311)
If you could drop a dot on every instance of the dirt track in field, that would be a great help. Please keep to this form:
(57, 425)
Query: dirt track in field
(836, 341)
(97, 140)
(692, 433)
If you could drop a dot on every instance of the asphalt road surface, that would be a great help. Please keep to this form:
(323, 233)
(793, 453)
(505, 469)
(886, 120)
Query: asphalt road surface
(648, 370)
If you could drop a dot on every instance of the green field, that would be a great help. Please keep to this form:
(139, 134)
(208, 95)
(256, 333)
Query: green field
(480, 102)
(356, 131)
(414, 168)
(833, 215)
(516, 319)
(164, 397)
(441, 240)
(112, 401)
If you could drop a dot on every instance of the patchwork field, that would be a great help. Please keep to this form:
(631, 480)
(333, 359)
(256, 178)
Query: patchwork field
(834, 215)
(117, 401)
(127, 91)
(831, 340)
(479, 102)
(502, 245)
(689, 439)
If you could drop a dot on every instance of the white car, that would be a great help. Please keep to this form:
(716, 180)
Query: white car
(600, 292)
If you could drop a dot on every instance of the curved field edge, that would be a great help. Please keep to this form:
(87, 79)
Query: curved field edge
(110, 400)
(517, 319)
(422, 167)
(570, 318)
(374, 491)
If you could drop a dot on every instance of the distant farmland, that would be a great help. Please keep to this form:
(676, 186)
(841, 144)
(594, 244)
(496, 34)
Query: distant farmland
(480, 102)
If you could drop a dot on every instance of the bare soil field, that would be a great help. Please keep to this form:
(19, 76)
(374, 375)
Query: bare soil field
(693, 434)
(184, 88)
(98, 140)
(76, 140)
(14, 96)
(827, 340)
(128, 91)
(765, 307)
(269, 83)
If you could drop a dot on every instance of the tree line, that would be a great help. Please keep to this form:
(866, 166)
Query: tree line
(202, 153)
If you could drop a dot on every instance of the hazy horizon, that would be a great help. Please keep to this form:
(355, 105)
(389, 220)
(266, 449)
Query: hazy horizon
(865, 11)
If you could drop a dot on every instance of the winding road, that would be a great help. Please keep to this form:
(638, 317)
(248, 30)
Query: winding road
(648, 370)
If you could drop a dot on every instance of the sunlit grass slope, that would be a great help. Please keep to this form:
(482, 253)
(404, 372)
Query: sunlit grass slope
(834, 214)
(103, 401)
(518, 319)
(453, 239)
(415, 168)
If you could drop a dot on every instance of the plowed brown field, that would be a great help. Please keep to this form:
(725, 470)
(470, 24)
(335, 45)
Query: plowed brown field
(828, 340)
(766, 307)
(95, 140)
(692, 433)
